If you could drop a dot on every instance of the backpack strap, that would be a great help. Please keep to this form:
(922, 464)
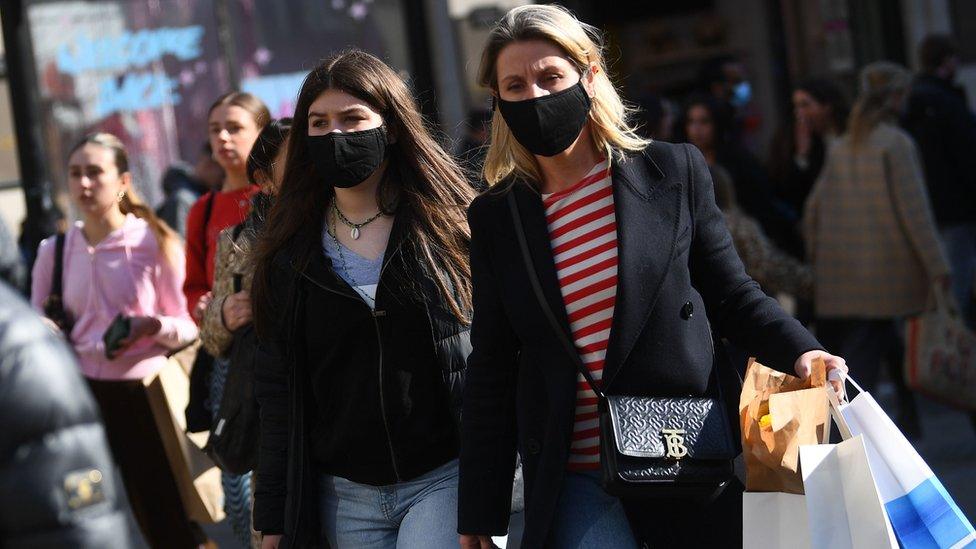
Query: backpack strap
(207, 214)
(57, 278)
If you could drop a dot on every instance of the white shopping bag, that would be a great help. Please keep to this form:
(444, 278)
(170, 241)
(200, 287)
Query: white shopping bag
(921, 511)
(844, 510)
(774, 520)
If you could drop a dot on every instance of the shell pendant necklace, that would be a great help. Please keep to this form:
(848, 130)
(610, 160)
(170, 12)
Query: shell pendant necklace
(354, 227)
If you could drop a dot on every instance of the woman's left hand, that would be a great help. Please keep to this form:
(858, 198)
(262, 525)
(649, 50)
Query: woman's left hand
(140, 327)
(836, 368)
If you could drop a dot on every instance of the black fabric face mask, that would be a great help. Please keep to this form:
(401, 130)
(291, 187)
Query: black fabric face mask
(548, 125)
(345, 160)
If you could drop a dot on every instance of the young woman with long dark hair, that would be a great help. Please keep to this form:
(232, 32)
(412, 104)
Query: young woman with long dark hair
(120, 259)
(635, 264)
(797, 153)
(362, 300)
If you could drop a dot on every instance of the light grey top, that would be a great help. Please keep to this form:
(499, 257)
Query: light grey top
(361, 273)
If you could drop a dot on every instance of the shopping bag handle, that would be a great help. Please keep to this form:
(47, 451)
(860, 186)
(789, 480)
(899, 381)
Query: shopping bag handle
(844, 381)
(837, 416)
(943, 301)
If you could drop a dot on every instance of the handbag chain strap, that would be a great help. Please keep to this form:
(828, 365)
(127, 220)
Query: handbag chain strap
(541, 298)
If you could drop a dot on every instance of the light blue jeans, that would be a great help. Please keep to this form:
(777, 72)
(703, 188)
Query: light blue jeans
(586, 516)
(417, 513)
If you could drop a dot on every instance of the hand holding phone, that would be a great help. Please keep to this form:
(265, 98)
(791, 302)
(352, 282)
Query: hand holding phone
(128, 330)
(117, 331)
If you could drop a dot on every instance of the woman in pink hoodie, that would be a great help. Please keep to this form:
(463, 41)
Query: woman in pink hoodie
(120, 259)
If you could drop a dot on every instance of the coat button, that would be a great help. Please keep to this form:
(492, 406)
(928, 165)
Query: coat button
(533, 446)
(687, 310)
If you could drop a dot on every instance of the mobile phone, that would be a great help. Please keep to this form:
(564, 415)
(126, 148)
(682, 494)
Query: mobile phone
(118, 330)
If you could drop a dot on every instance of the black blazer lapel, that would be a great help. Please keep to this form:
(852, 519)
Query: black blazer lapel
(648, 210)
(537, 236)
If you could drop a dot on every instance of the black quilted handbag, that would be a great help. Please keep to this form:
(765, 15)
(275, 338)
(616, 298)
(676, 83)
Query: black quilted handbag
(652, 447)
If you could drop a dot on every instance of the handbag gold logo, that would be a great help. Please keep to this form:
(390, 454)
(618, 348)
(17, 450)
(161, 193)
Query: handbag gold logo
(675, 441)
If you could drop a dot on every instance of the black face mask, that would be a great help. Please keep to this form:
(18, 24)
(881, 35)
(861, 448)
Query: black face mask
(548, 125)
(345, 160)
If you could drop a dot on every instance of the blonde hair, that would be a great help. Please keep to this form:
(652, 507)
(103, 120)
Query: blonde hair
(583, 45)
(169, 241)
(879, 82)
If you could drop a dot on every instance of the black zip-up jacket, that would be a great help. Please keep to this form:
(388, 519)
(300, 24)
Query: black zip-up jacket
(370, 396)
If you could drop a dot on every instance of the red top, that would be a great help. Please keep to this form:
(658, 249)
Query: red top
(583, 234)
(229, 209)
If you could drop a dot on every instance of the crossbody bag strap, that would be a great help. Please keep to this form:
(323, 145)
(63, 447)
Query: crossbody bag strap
(207, 214)
(541, 298)
(57, 277)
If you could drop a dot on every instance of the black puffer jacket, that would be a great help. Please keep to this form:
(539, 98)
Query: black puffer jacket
(371, 396)
(57, 485)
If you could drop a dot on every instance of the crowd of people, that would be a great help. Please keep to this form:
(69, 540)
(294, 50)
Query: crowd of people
(414, 345)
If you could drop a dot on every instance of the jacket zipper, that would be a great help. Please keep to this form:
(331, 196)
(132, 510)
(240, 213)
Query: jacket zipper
(386, 425)
(374, 314)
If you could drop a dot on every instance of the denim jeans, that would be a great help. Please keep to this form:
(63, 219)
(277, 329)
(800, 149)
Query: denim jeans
(960, 245)
(586, 516)
(416, 513)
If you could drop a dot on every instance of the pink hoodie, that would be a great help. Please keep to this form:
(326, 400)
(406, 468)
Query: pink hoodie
(124, 273)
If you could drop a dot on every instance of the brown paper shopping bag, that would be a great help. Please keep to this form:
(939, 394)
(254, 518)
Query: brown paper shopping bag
(778, 414)
(197, 478)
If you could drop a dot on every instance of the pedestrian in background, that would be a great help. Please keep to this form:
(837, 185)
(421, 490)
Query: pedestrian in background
(471, 157)
(797, 153)
(939, 119)
(12, 269)
(871, 238)
(774, 270)
(233, 124)
(120, 259)
(362, 299)
(183, 185)
(704, 124)
(620, 232)
(229, 313)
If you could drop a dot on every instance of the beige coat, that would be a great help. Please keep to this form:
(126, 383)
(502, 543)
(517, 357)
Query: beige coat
(870, 232)
(231, 258)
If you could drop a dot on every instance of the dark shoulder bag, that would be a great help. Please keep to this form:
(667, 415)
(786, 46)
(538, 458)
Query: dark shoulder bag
(54, 304)
(651, 447)
(233, 437)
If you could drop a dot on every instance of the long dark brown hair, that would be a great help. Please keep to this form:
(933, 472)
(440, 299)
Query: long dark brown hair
(421, 181)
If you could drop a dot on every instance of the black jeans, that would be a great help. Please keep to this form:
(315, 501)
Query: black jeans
(680, 524)
(864, 344)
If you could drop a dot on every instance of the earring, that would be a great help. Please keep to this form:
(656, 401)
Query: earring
(121, 195)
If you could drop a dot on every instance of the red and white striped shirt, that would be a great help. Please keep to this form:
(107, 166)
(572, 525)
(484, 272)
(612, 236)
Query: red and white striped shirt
(583, 235)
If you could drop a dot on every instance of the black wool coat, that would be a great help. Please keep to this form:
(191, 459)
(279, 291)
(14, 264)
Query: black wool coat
(678, 278)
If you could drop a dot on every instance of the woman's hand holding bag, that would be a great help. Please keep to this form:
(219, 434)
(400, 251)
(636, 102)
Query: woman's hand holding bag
(836, 368)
